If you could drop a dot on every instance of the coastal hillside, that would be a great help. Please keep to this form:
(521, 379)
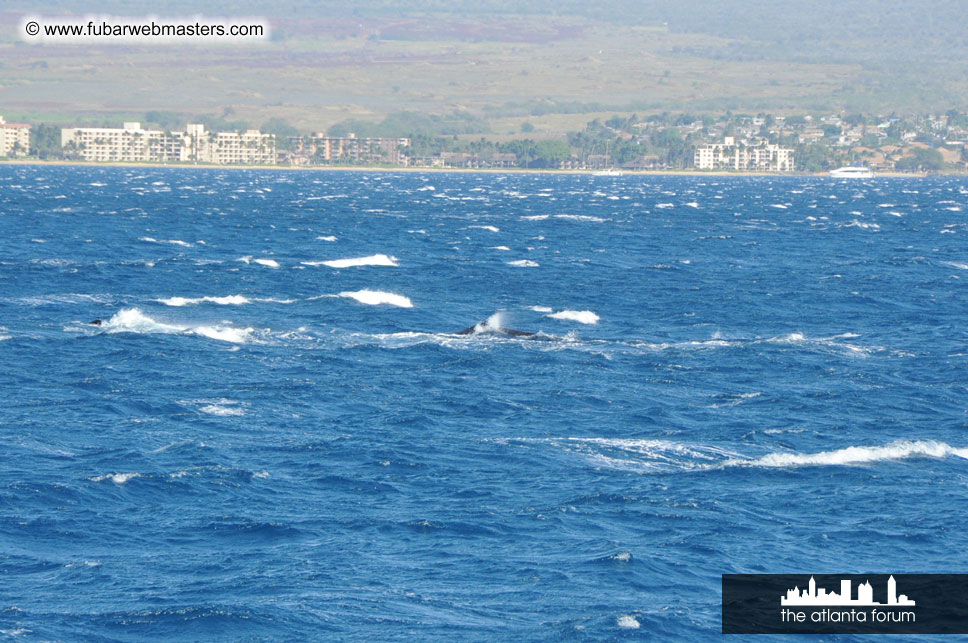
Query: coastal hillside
(555, 61)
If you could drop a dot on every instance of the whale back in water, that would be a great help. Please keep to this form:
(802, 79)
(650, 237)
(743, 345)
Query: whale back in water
(483, 327)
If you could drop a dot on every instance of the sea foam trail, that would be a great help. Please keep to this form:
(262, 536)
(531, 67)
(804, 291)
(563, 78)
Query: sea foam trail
(899, 450)
(372, 260)
(175, 242)
(377, 297)
(132, 320)
(580, 316)
(270, 263)
(228, 300)
(665, 456)
(524, 263)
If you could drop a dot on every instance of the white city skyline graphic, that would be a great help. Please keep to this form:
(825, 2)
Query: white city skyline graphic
(812, 595)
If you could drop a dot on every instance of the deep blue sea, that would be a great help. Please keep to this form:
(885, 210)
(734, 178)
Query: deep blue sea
(275, 433)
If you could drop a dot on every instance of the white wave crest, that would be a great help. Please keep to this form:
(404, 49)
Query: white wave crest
(663, 456)
(580, 316)
(215, 409)
(175, 242)
(372, 260)
(132, 320)
(486, 227)
(228, 300)
(328, 237)
(224, 333)
(377, 297)
(580, 217)
(524, 263)
(628, 622)
(116, 478)
(856, 455)
(271, 263)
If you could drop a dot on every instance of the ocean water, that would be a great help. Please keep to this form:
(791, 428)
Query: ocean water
(276, 434)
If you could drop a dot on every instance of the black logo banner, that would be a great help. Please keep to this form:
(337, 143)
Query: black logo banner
(845, 603)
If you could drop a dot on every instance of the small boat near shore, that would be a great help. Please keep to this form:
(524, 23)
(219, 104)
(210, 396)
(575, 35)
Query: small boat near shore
(852, 172)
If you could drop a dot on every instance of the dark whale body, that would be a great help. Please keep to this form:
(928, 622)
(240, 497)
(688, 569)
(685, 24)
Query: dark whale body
(484, 328)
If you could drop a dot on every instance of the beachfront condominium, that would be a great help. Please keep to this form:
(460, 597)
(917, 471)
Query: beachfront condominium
(14, 138)
(351, 149)
(744, 156)
(132, 143)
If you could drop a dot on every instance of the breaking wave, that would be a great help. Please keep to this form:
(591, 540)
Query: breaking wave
(132, 320)
(372, 260)
(377, 297)
(228, 300)
(665, 456)
(580, 316)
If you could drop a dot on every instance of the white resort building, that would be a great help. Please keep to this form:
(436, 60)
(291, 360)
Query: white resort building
(730, 155)
(132, 143)
(14, 138)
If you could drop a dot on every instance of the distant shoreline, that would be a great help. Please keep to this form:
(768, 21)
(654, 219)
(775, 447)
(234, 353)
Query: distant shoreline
(513, 170)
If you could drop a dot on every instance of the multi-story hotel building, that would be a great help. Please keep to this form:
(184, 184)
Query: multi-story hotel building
(729, 155)
(132, 143)
(352, 150)
(230, 148)
(14, 138)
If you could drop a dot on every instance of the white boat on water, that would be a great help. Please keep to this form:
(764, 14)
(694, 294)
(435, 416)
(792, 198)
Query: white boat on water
(852, 172)
(608, 171)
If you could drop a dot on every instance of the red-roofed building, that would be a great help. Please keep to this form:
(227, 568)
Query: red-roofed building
(14, 138)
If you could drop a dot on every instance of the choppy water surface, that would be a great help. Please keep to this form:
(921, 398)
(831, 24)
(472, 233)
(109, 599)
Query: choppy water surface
(275, 434)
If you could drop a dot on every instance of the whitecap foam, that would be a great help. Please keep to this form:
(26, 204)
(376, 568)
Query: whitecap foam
(580, 316)
(541, 309)
(580, 217)
(228, 300)
(504, 248)
(116, 478)
(898, 450)
(663, 456)
(215, 409)
(628, 622)
(132, 320)
(378, 297)
(174, 242)
(486, 227)
(271, 263)
(372, 260)
(524, 263)
(225, 333)
(328, 237)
